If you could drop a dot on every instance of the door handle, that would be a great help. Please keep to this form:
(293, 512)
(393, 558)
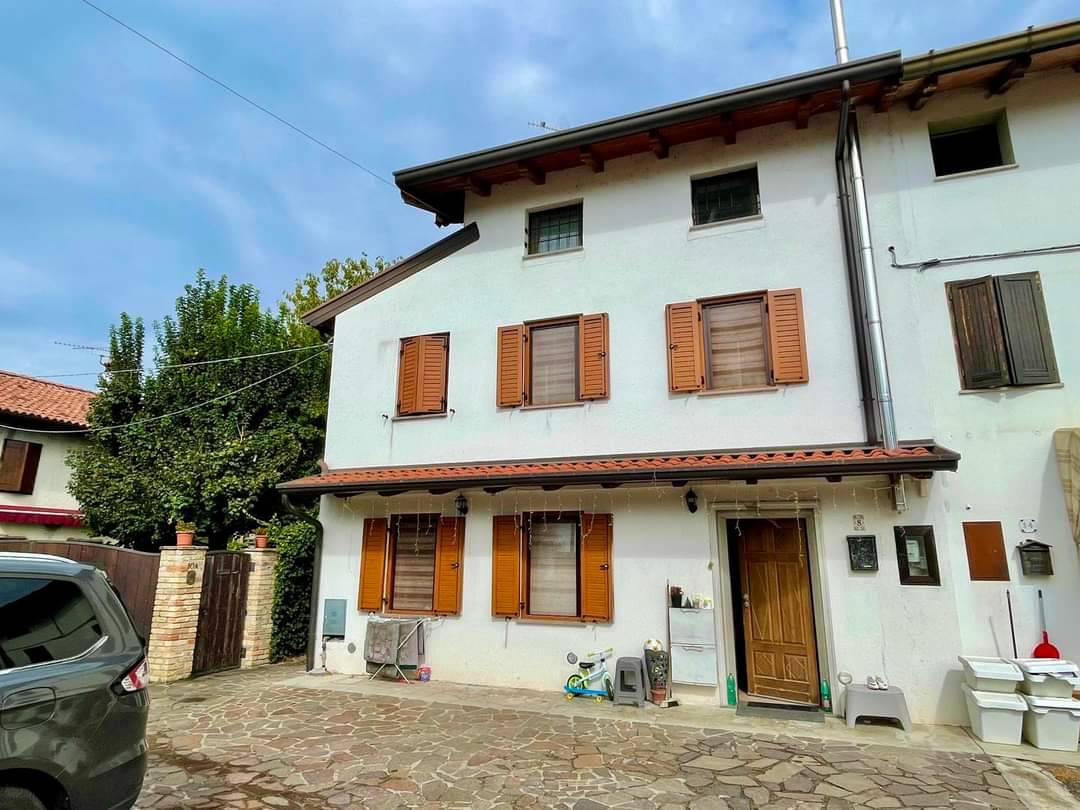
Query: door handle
(455, 565)
(604, 566)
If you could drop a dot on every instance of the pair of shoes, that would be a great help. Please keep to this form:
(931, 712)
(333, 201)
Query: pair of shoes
(877, 684)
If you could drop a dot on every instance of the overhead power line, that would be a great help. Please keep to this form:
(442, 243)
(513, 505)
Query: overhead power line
(237, 93)
(183, 365)
(171, 414)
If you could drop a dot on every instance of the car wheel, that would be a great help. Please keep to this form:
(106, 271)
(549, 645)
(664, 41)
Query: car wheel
(17, 798)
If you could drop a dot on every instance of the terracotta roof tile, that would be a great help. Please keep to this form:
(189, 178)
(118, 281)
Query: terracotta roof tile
(628, 469)
(38, 399)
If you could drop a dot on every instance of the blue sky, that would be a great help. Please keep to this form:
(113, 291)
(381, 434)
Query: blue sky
(121, 171)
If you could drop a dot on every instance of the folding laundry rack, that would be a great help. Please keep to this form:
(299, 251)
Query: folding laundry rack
(385, 641)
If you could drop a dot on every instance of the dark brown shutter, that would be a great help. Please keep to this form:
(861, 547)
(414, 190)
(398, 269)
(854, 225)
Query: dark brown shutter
(431, 392)
(686, 347)
(372, 564)
(986, 551)
(596, 591)
(593, 374)
(980, 344)
(449, 551)
(506, 566)
(408, 376)
(510, 374)
(18, 466)
(787, 337)
(1027, 330)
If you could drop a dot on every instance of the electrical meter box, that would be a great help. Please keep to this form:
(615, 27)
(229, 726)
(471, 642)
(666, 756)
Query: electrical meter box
(333, 623)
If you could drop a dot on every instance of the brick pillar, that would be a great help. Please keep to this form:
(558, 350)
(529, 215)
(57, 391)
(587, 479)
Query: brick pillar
(260, 603)
(176, 612)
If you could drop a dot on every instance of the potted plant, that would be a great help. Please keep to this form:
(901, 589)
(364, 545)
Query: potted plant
(262, 537)
(185, 533)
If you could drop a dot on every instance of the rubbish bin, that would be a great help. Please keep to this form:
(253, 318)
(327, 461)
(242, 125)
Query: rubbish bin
(1052, 723)
(990, 674)
(996, 717)
(1048, 677)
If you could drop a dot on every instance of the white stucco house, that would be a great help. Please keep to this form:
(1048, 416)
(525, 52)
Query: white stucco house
(34, 501)
(646, 359)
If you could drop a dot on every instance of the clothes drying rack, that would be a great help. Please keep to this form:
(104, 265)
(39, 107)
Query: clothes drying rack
(402, 641)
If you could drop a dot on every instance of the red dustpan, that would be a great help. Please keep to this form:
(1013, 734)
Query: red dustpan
(1044, 649)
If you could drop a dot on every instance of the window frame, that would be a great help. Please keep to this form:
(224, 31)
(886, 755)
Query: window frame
(995, 119)
(731, 170)
(540, 211)
(527, 520)
(95, 610)
(527, 359)
(933, 577)
(391, 561)
(445, 336)
(760, 296)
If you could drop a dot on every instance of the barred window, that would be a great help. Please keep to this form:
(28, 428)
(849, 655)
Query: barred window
(725, 196)
(555, 229)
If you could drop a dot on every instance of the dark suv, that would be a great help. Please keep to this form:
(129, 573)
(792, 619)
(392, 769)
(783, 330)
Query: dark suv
(73, 697)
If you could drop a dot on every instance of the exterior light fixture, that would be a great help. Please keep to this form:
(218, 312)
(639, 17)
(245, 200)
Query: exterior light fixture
(462, 504)
(691, 501)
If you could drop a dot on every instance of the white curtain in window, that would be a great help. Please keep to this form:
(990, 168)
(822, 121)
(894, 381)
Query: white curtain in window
(554, 364)
(553, 569)
(736, 338)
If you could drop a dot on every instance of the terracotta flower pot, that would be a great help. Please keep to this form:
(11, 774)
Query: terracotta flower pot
(658, 695)
(185, 538)
(261, 541)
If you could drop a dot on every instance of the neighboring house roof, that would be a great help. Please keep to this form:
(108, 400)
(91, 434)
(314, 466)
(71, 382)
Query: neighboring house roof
(881, 81)
(31, 398)
(740, 465)
(322, 316)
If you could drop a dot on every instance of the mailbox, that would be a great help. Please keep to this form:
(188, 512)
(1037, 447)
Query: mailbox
(333, 623)
(1035, 558)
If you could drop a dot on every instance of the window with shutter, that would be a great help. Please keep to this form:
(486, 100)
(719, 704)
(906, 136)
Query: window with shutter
(596, 589)
(506, 566)
(422, 375)
(553, 362)
(1001, 331)
(552, 368)
(787, 337)
(593, 375)
(372, 565)
(686, 369)
(736, 344)
(510, 367)
(449, 552)
(18, 466)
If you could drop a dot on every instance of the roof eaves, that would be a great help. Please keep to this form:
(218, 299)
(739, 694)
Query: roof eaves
(321, 317)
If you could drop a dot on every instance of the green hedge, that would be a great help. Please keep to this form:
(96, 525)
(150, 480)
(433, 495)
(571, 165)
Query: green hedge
(295, 543)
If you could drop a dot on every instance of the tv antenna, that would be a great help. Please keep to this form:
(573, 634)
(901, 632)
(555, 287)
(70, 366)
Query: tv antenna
(543, 125)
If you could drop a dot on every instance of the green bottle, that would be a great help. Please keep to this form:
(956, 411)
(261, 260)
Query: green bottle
(732, 694)
(826, 697)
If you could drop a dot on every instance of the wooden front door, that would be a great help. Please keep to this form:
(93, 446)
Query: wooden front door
(220, 633)
(778, 613)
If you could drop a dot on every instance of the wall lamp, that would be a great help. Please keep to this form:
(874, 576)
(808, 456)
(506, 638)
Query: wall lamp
(462, 504)
(691, 500)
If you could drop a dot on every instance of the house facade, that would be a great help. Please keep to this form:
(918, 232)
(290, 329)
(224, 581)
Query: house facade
(34, 501)
(641, 364)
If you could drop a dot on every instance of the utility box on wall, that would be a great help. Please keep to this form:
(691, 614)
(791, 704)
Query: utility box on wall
(334, 617)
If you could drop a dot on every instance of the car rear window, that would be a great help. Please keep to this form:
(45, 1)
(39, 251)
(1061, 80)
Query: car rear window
(43, 620)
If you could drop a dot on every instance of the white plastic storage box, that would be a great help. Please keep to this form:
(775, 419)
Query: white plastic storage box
(996, 717)
(1048, 677)
(1052, 723)
(990, 674)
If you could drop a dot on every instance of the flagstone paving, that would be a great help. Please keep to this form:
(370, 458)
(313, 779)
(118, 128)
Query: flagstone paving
(244, 740)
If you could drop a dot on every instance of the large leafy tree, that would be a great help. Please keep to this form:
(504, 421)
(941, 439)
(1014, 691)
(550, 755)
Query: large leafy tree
(206, 443)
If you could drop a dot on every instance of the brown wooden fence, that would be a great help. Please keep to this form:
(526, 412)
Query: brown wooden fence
(134, 573)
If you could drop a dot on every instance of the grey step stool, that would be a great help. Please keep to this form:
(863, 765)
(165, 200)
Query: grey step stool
(862, 701)
(629, 682)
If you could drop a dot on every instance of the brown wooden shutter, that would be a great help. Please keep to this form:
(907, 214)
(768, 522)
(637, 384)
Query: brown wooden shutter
(449, 551)
(593, 374)
(431, 392)
(596, 591)
(787, 337)
(686, 347)
(986, 551)
(18, 466)
(1026, 328)
(506, 566)
(980, 343)
(510, 375)
(372, 564)
(408, 376)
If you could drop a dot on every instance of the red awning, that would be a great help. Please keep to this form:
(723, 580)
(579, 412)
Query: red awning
(40, 515)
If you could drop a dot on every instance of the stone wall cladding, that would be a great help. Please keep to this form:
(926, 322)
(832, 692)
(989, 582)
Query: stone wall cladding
(176, 612)
(260, 602)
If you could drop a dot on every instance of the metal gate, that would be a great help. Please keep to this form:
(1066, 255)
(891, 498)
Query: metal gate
(220, 633)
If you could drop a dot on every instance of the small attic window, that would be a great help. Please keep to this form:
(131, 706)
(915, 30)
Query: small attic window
(970, 144)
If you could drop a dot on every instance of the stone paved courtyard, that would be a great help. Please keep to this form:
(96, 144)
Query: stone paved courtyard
(247, 740)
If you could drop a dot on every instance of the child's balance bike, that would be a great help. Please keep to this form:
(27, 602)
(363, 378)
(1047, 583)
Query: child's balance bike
(592, 678)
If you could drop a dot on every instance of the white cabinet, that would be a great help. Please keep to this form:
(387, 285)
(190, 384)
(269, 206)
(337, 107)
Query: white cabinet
(693, 646)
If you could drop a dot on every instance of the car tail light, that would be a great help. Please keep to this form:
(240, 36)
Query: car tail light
(137, 678)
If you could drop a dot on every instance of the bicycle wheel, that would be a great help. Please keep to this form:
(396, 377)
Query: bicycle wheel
(575, 681)
(609, 687)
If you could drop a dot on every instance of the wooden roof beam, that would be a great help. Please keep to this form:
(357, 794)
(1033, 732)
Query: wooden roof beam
(527, 170)
(479, 187)
(727, 129)
(922, 95)
(886, 97)
(657, 144)
(1009, 75)
(803, 112)
(590, 159)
